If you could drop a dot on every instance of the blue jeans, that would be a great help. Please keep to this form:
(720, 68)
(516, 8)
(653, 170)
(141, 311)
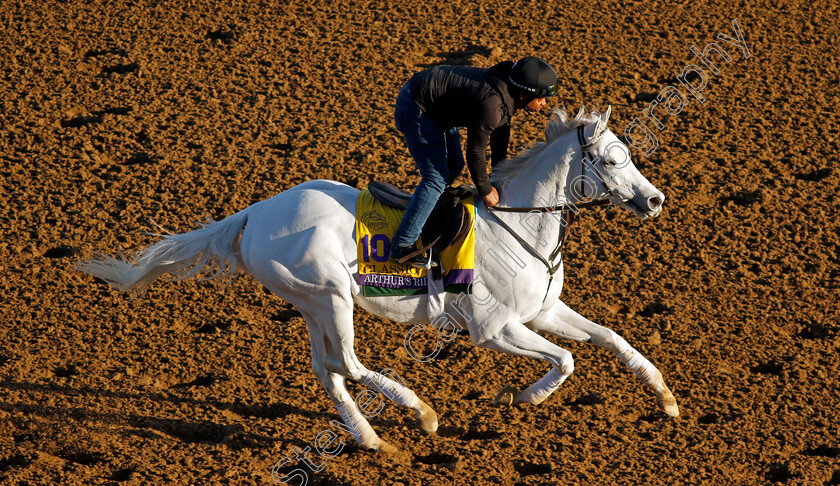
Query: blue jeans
(439, 158)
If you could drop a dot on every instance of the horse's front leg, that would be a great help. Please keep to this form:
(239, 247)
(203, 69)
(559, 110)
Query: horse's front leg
(562, 321)
(514, 338)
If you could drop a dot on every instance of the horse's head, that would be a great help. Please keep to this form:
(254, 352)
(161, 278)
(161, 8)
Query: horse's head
(580, 161)
(609, 172)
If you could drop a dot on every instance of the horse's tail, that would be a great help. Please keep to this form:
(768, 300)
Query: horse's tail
(180, 255)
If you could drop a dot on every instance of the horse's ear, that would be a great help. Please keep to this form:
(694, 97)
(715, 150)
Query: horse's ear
(603, 118)
(580, 113)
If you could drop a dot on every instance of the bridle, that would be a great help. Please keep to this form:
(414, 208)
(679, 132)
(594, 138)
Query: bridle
(567, 211)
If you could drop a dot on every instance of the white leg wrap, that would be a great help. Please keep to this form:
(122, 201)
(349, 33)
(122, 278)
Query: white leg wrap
(638, 364)
(357, 425)
(399, 394)
(544, 387)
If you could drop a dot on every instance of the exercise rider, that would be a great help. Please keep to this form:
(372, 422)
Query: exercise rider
(434, 104)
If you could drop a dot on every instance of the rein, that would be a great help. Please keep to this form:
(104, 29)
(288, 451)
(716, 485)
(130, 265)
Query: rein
(567, 214)
(551, 209)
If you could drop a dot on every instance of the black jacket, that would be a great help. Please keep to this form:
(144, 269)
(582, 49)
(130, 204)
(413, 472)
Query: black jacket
(475, 98)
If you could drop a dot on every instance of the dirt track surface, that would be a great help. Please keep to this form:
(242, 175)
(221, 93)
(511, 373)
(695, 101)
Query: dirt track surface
(120, 116)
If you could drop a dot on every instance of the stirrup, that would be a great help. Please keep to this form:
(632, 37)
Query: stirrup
(415, 259)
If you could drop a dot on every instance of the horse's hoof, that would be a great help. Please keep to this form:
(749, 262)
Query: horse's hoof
(666, 401)
(385, 447)
(428, 418)
(506, 396)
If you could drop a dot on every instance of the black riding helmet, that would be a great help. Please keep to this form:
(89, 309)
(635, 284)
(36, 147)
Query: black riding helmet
(534, 76)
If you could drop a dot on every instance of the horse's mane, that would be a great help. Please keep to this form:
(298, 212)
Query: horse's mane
(559, 125)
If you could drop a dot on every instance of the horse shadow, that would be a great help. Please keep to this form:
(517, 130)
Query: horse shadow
(149, 426)
(145, 426)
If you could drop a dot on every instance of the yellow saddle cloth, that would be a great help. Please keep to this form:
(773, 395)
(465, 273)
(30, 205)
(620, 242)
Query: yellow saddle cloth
(376, 225)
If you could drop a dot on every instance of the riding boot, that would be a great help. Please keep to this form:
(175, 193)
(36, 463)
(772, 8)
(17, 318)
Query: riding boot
(412, 256)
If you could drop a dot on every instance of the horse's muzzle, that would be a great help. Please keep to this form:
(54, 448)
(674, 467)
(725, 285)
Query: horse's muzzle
(655, 203)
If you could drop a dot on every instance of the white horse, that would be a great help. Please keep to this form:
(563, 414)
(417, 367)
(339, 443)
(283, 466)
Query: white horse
(300, 245)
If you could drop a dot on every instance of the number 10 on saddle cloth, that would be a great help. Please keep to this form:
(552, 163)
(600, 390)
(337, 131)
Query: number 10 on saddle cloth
(376, 225)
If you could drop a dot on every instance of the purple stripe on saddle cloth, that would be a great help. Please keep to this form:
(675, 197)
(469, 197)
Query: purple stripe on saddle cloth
(459, 276)
(391, 281)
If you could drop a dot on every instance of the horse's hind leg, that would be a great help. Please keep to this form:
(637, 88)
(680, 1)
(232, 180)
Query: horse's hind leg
(333, 321)
(341, 358)
(401, 395)
(335, 387)
(562, 321)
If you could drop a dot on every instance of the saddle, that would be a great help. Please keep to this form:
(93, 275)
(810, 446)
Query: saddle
(449, 222)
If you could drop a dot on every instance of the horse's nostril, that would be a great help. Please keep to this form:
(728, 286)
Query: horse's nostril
(654, 203)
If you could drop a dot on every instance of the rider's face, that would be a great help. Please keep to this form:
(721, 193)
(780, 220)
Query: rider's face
(535, 105)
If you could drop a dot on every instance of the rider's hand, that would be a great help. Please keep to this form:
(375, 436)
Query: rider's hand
(491, 199)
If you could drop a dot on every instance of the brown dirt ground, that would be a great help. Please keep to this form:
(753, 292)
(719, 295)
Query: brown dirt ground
(117, 116)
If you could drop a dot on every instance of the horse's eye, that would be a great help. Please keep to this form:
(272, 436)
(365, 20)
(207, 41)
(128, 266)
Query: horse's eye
(609, 162)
